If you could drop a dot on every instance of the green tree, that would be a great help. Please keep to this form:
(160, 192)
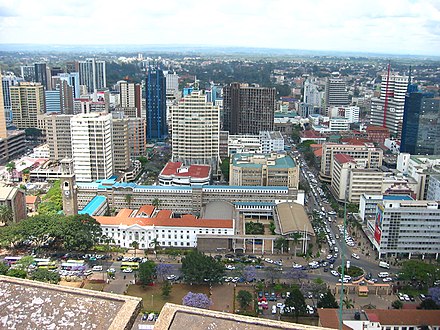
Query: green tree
(428, 304)
(198, 268)
(3, 268)
(16, 272)
(281, 244)
(135, 246)
(10, 167)
(348, 303)
(327, 301)
(147, 272)
(81, 232)
(43, 275)
(296, 237)
(166, 289)
(154, 244)
(128, 199)
(6, 214)
(254, 228)
(296, 303)
(156, 203)
(224, 166)
(244, 298)
(33, 132)
(143, 160)
(397, 304)
(272, 227)
(25, 262)
(421, 271)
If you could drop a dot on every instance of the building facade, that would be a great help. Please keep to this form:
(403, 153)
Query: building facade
(58, 135)
(156, 104)
(92, 74)
(263, 170)
(248, 109)
(130, 96)
(137, 138)
(92, 146)
(195, 131)
(27, 102)
(336, 92)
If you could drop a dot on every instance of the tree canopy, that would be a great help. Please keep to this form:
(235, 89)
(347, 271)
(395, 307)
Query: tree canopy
(198, 268)
(147, 272)
(43, 275)
(199, 300)
(327, 301)
(296, 302)
(244, 298)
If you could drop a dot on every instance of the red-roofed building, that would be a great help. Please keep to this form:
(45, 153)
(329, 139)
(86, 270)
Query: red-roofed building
(148, 224)
(311, 135)
(175, 174)
(377, 134)
(32, 203)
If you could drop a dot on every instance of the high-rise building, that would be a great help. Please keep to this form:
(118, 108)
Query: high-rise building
(392, 97)
(28, 73)
(137, 137)
(130, 96)
(9, 80)
(156, 104)
(421, 124)
(72, 67)
(312, 96)
(53, 103)
(120, 135)
(27, 102)
(41, 75)
(195, 131)
(72, 79)
(92, 74)
(58, 136)
(92, 146)
(248, 109)
(336, 92)
(172, 84)
(3, 132)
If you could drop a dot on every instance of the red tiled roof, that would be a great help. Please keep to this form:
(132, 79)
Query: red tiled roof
(376, 128)
(318, 152)
(310, 134)
(355, 141)
(146, 209)
(328, 318)
(194, 171)
(406, 317)
(31, 199)
(124, 213)
(343, 158)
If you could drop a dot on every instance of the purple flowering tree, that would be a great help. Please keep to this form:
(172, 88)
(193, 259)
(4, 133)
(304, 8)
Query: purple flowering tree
(163, 270)
(199, 300)
(435, 294)
(249, 273)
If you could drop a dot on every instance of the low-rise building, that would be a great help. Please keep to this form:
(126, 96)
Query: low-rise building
(149, 226)
(433, 193)
(32, 203)
(263, 170)
(176, 174)
(14, 199)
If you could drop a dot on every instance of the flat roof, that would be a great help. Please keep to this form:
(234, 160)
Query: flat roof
(218, 210)
(293, 218)
(93, 205)
(247, 160)
(397, 198)
(27, 304)
(193, 171)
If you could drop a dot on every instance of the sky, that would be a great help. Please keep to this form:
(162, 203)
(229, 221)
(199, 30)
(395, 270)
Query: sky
(372, 26)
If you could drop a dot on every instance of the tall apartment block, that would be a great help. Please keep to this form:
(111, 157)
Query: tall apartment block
(311, 96)
(137, 136)
(27, 102)
(156, 104)
(248, 109)
(387, 110)
(72, 80)
(92, 143)
(336, 92)
(58, 135)
(41, 75)
(9, 80)
(195, 131)
(28, 73)
(92, 74)
(130, 96)
(120, 135)
(421, 124)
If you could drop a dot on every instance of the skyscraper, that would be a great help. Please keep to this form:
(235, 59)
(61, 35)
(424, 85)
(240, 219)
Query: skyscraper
(130, 96)
(336, 92)
(120, 136)
(92, 146)
(9, 80)
(312, 96)
(3, 133)
(72, 79)
(58, 135)
(387, 110)
(195, 131)
(27, 101)
(92, 74)
(41, 74)
(248, 109)
(53, 103)
(156, 104)
(421, 123)
(28, 73)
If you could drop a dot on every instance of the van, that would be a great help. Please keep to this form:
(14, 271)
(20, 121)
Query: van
(97, 268)
(384, 264)
(383, 274)
(274, 309)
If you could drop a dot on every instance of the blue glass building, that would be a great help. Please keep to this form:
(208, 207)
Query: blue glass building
(155, 96)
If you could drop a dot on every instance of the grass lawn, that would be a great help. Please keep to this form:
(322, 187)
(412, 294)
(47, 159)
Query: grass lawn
(152, 295)
(94, 286)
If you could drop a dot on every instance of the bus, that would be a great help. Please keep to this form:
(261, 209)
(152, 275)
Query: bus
(47, 265)
(73, 265)
(130, 264)
(11, 260)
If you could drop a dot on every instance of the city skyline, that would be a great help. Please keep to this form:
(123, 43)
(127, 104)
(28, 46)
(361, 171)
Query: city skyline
(392, 27)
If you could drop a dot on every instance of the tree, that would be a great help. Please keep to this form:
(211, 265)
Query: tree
(419, 271)
(163, 270)
(6, 214)
(147, 272)
(16, 272)
(43, 275)
(348, 303)
(128, 199)
(3, 268)
(254, 228)
(199, 300)
(327, 301)
(296, 274)
(249, 273)
(244, 298)
(25, 262)
(295, 303)
(81, 232)
(198, 268)
(154, 244)
(272, 273)
(428, 304)
(156, 203)
(224, 166)
(281, 244)
(434, 292)
(10, 167)
(397, 304)
(135, 246)
(166, 289)
(143, 160)
(296, 237)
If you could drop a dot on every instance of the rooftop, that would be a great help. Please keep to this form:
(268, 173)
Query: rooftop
(344, 158)
(29, 304)
(258, 160)
(193, 171)
(293, 218)
(94, 204)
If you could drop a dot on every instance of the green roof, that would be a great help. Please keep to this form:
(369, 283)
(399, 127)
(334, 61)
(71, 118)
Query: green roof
(282, 162)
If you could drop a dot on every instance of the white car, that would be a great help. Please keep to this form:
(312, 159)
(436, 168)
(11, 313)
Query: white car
(297, 266)
(334, 273)
(127, 270)
(389, 279)
(230, 267)
(354, 255)
(274, 309)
